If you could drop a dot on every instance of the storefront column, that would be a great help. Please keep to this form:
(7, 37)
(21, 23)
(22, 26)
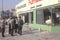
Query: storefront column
(34, 16)
(24, 19)
(29, 17)
(17, 14)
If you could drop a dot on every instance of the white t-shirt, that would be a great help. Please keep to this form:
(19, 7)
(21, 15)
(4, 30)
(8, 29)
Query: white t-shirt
(16, 21)
(48, 21)
(9, 21)
(1, 23)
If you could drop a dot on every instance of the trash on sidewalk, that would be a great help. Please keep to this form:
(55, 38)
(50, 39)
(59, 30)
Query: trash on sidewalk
(44, 31)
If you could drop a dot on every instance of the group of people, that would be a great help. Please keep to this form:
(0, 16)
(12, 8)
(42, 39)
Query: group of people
(15, 25)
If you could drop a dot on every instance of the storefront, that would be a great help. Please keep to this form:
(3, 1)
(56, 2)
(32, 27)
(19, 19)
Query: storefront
(42, 14)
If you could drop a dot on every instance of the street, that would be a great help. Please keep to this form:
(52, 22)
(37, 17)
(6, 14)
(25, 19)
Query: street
(40, 19)
(33, 34)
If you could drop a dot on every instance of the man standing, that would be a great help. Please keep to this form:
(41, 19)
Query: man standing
(0, 24)
(9, 23)
(3, 26)
(12, 26)
(16, 24)
(20, 25)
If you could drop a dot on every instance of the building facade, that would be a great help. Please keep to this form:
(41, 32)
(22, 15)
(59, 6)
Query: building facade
(40, 14)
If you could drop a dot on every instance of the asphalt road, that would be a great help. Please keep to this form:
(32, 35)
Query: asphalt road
(33, 34)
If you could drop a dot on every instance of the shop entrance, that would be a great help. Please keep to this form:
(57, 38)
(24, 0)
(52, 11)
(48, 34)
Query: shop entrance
(26, 17)
(29, 17)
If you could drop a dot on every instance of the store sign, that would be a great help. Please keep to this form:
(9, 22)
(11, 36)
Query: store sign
(33, 1)
(58, 0)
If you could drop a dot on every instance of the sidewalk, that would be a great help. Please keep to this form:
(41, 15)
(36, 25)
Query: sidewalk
(33, 35)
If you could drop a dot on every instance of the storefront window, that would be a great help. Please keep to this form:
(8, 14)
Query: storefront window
(43, 16)
(39, 17)
(48, 16)
(27, 17)
(31, 17)
(56, 15)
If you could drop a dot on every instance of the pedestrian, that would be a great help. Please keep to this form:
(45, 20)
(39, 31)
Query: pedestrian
(16, 25)
(12, 26)
(20, 25)
(9, 24)
(3, 26)
(0, 24)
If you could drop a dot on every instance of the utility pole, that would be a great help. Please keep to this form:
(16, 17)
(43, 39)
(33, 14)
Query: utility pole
(2, 5)
(2, 9)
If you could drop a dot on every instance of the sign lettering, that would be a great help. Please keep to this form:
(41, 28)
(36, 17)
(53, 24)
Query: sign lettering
(58, 0)
(33, 1)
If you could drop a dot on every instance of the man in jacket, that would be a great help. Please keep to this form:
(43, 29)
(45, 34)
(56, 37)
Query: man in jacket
(20, 25)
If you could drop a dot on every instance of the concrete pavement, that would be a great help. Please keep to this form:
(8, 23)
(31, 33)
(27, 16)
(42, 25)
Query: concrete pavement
(32, 35)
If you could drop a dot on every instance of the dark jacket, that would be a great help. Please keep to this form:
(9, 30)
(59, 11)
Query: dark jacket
(20, 22)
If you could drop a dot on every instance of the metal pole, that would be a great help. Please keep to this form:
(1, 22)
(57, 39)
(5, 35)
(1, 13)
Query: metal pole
(2, 5)
(2, 9)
